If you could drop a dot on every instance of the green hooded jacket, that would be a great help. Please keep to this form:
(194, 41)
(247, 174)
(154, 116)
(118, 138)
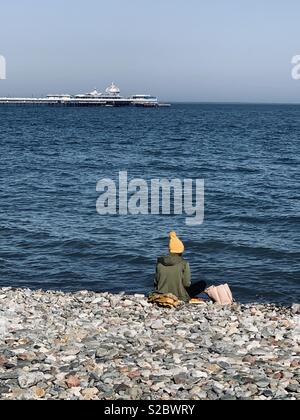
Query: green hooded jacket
(173, 275)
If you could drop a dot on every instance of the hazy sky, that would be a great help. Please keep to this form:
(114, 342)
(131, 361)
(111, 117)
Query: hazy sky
(197, 50)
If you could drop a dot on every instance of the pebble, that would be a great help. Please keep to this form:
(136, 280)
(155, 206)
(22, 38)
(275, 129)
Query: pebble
(4, 389)
(293, 388)
(157, 325)
(27, 380)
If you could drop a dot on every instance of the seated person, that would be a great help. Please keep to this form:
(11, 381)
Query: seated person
(173, 273)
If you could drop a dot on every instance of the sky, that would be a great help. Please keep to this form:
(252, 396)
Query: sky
(179, 50)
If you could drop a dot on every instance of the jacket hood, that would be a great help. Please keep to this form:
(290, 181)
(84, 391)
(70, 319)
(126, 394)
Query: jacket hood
(170, 260)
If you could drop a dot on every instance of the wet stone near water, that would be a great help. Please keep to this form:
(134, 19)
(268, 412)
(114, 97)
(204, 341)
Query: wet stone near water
(89, 346)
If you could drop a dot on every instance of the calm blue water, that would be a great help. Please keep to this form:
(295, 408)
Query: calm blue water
(51, 159)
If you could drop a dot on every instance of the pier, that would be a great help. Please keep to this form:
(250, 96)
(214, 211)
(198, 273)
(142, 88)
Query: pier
(111, 98)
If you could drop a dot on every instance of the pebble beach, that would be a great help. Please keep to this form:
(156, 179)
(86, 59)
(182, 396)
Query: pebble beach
(90, 346)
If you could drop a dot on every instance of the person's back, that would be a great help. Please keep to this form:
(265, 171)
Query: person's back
(173, 273)
(173, 276)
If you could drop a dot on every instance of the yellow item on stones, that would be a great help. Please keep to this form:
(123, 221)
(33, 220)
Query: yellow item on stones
(196, 301)
(175, 244)
(165, 300)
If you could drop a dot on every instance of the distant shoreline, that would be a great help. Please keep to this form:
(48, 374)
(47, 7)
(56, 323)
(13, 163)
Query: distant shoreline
(233, 103)
(211, 103)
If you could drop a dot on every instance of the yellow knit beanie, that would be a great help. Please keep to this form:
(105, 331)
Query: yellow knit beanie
(175, 244)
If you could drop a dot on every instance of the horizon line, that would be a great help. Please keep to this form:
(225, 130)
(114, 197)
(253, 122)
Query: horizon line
(234, 103)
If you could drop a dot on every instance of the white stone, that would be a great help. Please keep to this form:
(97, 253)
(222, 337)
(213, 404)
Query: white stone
(30, 379)
(198, 374)
(157, 325)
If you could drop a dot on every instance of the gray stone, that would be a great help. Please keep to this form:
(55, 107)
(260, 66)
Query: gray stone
(120, 388)
(268, 393)
(9, 375)
(263, 383)
(181, 378)
(228, 397)
(224, 365)
(293, 388)
(30, 379)
(4, 389)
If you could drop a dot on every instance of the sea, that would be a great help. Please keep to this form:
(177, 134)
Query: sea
(53, 238)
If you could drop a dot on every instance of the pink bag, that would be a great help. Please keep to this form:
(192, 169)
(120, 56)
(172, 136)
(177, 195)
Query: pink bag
(220, 294)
